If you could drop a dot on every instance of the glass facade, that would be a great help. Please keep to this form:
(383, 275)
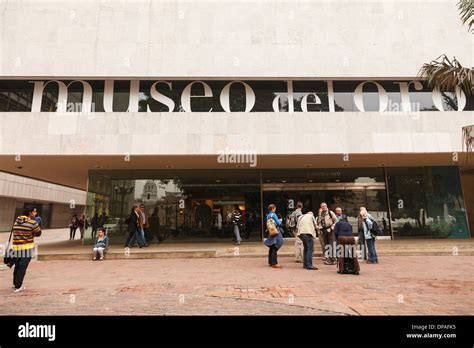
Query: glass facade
(182, 205)
(427, 202)
(196, 205)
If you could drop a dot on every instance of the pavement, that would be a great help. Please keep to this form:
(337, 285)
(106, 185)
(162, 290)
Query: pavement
(54, 245)
(411, 285)
(232, 284)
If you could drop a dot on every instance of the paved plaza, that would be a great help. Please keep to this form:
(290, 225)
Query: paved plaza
(398, 285)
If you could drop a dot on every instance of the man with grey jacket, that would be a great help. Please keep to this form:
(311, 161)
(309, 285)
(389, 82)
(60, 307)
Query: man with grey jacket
(307, 233)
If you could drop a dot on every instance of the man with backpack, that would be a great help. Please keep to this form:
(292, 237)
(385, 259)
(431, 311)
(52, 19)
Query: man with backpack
(370, 230)
(325, 223)
(292, 223)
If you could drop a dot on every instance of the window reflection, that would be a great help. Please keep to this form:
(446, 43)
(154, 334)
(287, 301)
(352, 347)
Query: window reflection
(17, 95)
(427, 202)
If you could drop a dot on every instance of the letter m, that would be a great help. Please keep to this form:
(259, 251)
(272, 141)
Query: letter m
(62, 95)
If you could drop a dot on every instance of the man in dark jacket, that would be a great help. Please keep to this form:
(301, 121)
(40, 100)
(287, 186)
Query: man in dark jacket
(24, 232)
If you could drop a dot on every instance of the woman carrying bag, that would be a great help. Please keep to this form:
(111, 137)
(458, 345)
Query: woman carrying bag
(274, 241)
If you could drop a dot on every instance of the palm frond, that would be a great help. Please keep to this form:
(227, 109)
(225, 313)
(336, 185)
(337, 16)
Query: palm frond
(446, 75)
(466, 11)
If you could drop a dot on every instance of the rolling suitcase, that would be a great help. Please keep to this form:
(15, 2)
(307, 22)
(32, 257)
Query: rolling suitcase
(346, 265)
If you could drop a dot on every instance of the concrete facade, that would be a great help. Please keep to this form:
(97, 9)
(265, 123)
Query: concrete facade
(256, 39)
(209, 133)
(229, 38)
(16, 189)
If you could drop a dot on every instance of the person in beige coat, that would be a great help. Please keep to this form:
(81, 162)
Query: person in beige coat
(307, 233)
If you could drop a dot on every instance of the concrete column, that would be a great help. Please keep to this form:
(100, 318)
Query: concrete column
(7, 213)
(61, 213)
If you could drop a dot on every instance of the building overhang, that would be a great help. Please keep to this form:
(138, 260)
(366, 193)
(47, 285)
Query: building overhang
(72, 170)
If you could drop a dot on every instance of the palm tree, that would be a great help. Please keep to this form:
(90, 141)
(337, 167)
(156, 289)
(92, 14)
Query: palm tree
(446, 74)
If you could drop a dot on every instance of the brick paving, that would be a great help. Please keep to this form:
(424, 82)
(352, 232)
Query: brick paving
(411, 285)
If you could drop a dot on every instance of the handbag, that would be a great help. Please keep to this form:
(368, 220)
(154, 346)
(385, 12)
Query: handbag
(7, 257)
(272, 228)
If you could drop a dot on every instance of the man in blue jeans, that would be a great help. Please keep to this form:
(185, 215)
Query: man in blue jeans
(306, 227)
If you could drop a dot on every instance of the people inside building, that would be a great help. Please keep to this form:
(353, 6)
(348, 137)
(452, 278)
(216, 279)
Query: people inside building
(73, 225)
(95, 224)
(82, 225)
(326, 221)
(101, 244)
(237, 223)
(218, 221)
(306, 231)
(154, 225)
(273, 242)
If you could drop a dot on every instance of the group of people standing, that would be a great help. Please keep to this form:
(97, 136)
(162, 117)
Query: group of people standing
(332, 228)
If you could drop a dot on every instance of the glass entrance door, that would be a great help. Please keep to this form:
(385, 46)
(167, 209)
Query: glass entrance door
(348, 196)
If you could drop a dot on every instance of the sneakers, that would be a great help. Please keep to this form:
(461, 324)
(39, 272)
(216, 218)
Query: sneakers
(101, 259)
(19, 289)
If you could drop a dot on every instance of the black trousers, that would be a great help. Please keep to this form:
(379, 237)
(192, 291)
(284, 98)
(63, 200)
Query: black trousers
(94, 232)
(21, 264)
(72, 232)
(272, 255)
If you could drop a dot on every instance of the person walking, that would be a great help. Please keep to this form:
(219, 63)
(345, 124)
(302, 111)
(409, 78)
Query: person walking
(292, 226)
(82, 225)
(237, 222)
(276, 241)
(134, 228)
(24, 231)
(326, 222)
(95, 222)
(143, 221)
(73, 225)
(367, 223)
(307, 233)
